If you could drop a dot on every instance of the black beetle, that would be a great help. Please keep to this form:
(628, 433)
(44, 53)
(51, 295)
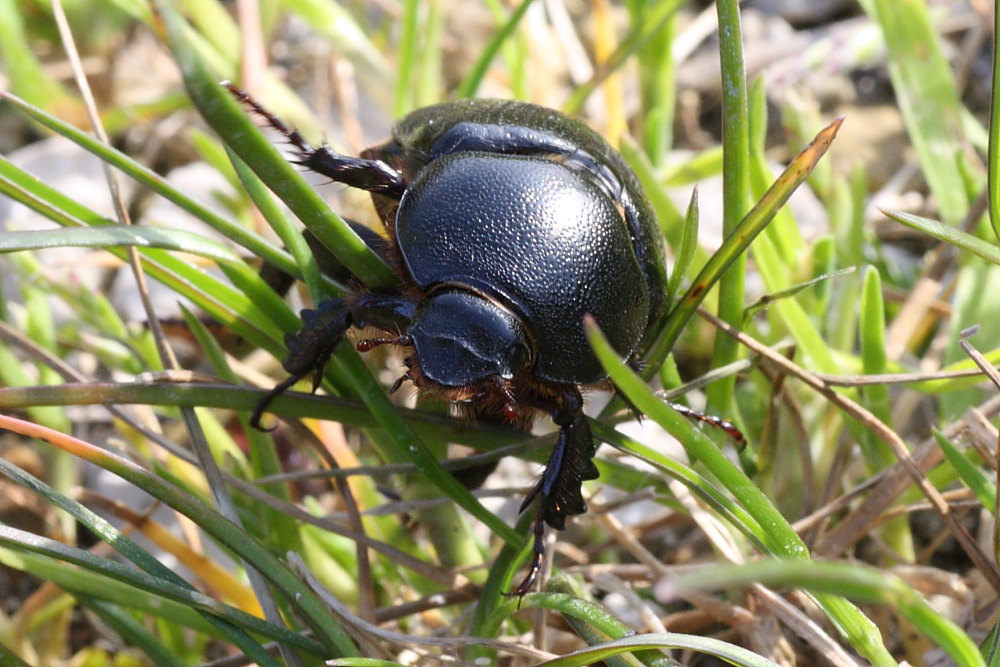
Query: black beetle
(508, 223)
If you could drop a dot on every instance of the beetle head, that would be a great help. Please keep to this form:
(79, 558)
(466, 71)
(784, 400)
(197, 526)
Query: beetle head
(462, 338)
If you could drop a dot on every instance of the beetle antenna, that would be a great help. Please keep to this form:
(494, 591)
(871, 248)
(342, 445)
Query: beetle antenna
(371, 343)
(729, 427)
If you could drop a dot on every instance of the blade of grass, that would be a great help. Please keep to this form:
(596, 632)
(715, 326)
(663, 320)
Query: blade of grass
(430, 425)
(234, 538)
(721, 395)
(21, 65)
(215, 297)
(474, 78)
(734, 245)
(871, 332)
(225, 115)
(970, 474)
(654, 21)
(117, 236)
(861, 583)
(993, 152)
(141, 174)
(926, 93)
(129, 549)
(938, 230)
(699, 485)
(729, 653)
(107, 569)
(132, 631)
(781, 538)
(621, 642)
(407, 55)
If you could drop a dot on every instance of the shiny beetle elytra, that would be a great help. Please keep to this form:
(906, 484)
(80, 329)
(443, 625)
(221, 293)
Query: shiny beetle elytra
(507, 224)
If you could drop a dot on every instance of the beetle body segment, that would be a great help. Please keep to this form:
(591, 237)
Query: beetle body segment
(542, 239)
(462, 338)
(517, 128)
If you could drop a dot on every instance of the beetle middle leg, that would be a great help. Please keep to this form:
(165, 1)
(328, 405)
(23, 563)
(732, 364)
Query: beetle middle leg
(559, 492)
(362, 173)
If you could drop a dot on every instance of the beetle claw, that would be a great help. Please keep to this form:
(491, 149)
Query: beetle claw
(537, 562)
(399, 382)
(269, 397)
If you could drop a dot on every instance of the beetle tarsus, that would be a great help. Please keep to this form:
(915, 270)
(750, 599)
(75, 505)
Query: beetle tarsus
(365, 174)
(537, 561)
(399, 382)
(309, 350)
(269, 397)
(559, 492)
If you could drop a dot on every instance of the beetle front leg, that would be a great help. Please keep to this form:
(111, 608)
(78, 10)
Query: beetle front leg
(322, 330)
(309, 349)
(560, 490)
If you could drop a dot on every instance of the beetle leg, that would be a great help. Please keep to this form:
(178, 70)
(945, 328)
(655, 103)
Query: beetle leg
(371, 175)
(399, 382)
(537, 560)
(361, 173)
(322, 329)
(559, 491)
(309, 349)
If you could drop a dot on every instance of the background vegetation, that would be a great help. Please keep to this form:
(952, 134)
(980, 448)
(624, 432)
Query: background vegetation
(143, 522)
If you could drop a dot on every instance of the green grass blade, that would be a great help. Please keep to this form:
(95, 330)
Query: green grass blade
(229, 120)
(118, 236)
(925, 90)
(126, 547)
(139, 580)
(474, 78)
(735, 193)
(971, 475)
(781, 539)
(734, 245)
(141, 174)
(861, 583)
(956, 237)
(993, 152)
(655, 20)
(132, 632)
(730, 653)
(280, 223)
(234, 538)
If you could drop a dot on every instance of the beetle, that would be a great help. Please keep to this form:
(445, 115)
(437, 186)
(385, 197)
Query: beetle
(507, 223)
